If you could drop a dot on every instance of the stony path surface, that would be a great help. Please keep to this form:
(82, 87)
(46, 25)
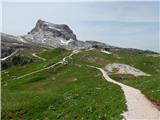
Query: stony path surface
(139, 107)
(34, 54)
(107, 52)
(60, 62)
(51, 66)
(13, 53)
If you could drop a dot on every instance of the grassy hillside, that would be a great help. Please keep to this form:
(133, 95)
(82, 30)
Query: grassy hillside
(143, 62)
(55, 56)
(150, 86)
(72, 91)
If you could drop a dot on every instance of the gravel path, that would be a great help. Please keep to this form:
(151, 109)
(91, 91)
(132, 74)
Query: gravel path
(13, 53)
(33, 54)
(139, 107)
(51, 66)
(107, 52)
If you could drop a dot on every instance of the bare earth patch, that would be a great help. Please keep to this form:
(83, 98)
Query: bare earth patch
(124, 69)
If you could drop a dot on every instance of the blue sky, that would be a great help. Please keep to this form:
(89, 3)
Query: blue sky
(123, 24)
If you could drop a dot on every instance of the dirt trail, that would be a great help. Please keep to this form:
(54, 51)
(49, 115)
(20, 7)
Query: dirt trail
(60, 62)
(107, 52)
(139, 107)
(13, 53)
(34, 54)
(51, 66)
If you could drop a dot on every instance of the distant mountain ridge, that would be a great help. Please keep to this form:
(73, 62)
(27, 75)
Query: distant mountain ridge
(49, 35)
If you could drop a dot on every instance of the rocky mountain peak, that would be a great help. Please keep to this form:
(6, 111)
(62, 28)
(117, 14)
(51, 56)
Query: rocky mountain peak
(61, 29)
(55, 35)
(56, 30)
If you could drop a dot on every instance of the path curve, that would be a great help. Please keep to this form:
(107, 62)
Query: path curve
(51, 66)
(13, 53)
(34, 54)
(139, 107)
(63, 61)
